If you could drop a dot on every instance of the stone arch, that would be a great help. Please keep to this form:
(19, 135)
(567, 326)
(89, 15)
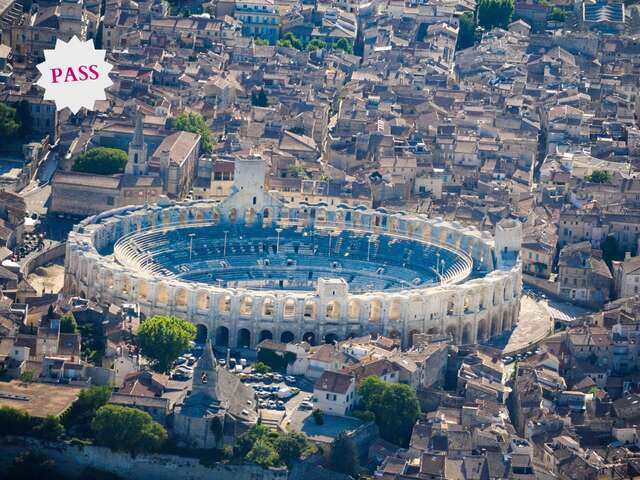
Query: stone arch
(331, 338)
(353, 309)
(125, 284)
(249, 216)
(143, 290)
(202, 300)
(482, 330)
(506, 321)
(468, 304)
(310, 338)
(246, 306)
(310, 309)
(233, 215)
(494, 326)
(224, 304)
(375, 310)
(452, 331)
(265, 335)
(395, 309)
(244, 338)
(433, 331)
(395, 334)
(467, 334)
(181, 298)
(333, 310)
(287, 337)
(222, 336)
(215, 216)
(268, 307)
(162, 294)
(202, 333)
(451, 305)
(416, 306)
(289, 308)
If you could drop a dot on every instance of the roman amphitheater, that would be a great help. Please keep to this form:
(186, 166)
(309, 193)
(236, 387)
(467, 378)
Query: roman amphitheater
(254, 267)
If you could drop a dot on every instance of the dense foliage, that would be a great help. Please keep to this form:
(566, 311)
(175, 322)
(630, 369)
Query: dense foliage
(259, 98)
(194, 123)
(599, 176)
(494, 13)
(289, 40)
(68, 323)
(18, 422)
(276, 360)
(344, 457)
(163, 338)
(394, 405)
(271, 449)
(101, 161)
(34, 465)
(77, 419)
(127, 429)
(467, 31)
(15, 121)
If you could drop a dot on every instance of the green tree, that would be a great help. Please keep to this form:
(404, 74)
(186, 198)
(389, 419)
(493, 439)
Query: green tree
(68, 323)
(79, 416)
(260, 41)
(344, 457)
(49, 428)
(9, 126)
(494, 13)
(289, 40)
(318, 416)
(245, 441)
(259, 98)
(599, 176)
(316, 44)
(101, 161)
(27, 376)
(15, 422)
(290, 447)
(395, 406)
(127, 429)
(467, 32)
(344, 44)
(24, 118)
(261, 367)
(557, 14)
(163, 339)
(263, 453)
(194, 123)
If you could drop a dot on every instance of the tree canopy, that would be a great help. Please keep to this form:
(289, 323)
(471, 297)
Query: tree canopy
(9, 125)
(344, 44)
(395, 406)
(271, 449)
(194, 123)
(163, 338)
(127, 429)
(101, 161)
(344, 457)
(599, 176)
(19, 422)
(68, 323)
(494, 13)
(259, 98)
(611, 249)
(79, 416)
(467, 32)
(289, 40)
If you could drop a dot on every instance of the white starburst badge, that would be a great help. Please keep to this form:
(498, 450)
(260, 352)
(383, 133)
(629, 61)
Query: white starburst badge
(74, 74)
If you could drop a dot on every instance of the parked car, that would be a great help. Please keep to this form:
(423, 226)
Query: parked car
(306, 405)
(290, 379)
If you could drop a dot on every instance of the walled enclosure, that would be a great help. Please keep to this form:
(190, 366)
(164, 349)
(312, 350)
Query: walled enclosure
(469, 310)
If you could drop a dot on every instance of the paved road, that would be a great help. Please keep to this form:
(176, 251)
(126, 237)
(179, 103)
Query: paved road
(534, 324)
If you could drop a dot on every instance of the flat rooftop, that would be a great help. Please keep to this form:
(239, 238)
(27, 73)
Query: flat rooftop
(43, 398)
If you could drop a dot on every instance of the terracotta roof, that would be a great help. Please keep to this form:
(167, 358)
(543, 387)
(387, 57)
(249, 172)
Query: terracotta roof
(335, 382)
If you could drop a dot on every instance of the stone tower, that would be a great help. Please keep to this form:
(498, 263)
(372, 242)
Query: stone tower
(205, 375)
(137, 163)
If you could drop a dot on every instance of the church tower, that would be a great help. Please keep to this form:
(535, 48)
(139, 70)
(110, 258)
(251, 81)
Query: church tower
(137, 163)
(205, 375)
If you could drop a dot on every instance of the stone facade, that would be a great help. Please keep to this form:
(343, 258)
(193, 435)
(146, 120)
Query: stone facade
(467, 309)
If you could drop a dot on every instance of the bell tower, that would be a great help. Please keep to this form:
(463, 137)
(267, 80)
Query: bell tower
(137, 163)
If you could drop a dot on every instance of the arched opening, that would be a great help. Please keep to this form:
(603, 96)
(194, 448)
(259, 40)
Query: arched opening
(309, 309)
(249, 216)
(162, 295)
(330, 338)
(451, 305)
(394, 310)
(244, 338)
(353, 310)
(181, 298)
(246, 306)
(494, 326)
(268, 307)
(143, 290)
(482, 331)
(467, 334)
(287, 337)
(433, 331)
(467, 304)
(289, 308)
(310, 338)
(452, 332)
(202, 301)
(233, 215)
(215, 216)
(506, 322)
(126, 287)
(82, 294)
(222, 336)
(202, 333)
(266, 335)
(333, 310)
(224, 304)
(375, 311)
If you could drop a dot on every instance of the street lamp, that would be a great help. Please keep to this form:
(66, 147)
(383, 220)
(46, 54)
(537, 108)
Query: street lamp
(191, 235)
(224, 247)
(278, 230)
